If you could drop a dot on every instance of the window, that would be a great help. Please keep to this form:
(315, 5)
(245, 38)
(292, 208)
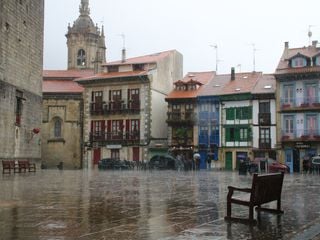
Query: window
(244, 113)
(204, 107)
(189, 107)
(175, 107)
(243, 134)
(203, 130)
(311, 125)
(96, 96)
(311, 93)
(230, 114)
(288, 93)
(288, 124)
(115, 95)
(115, 154)
(264, 135)
(57, 128)
(298, 62)
(317, 62)
(81, 58)
(138, 67)
(18, 107)
(113, 68)
(264, 107)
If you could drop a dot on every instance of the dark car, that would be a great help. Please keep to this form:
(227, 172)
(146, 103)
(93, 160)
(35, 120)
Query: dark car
(165, 162)
(113, 164)
(270, 164)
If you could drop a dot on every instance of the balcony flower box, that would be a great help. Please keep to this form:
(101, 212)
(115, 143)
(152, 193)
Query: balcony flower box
(304, 137)
(304, 105)
(316, 104)
(284, 138)
(286, 105)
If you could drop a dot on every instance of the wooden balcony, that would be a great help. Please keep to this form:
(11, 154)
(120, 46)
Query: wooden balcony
(188, 118)
(301, 136)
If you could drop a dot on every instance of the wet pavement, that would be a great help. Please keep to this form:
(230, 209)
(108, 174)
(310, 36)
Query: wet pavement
(147, 205)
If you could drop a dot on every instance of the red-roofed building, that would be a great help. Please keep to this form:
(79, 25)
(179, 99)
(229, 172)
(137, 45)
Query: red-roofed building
(62, 123)
(182, 113)
(125, 109)
(62, 127)
(298, 84)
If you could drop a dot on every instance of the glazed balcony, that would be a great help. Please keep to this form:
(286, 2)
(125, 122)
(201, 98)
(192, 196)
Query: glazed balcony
(123, 138)
(298, 104)
(264, 119)
(177, 141)
(265, 143)
(115, 107)
(181, 118)
(301, 135)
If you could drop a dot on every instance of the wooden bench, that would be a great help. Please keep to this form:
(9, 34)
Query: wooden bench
(265, 188)
(7, 166)
(24, 165)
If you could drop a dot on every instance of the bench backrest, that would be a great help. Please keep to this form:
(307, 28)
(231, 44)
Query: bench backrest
(8, 163)
(266, 188)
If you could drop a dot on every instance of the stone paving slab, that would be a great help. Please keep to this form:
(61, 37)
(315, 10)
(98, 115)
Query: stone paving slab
(147, 205)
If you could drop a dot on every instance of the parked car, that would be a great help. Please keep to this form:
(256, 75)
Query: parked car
(272, 165)
(165, 162)
(113, 164)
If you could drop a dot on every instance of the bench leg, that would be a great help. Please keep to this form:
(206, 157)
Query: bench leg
(228, 209)
(251, 213)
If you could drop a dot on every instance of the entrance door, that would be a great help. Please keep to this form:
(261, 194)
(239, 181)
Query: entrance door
(228, 164)
(289, 157)
(296, 160)
(135, 154)
(96, 155)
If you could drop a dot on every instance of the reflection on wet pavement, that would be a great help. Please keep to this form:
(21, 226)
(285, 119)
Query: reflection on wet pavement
(143, 205)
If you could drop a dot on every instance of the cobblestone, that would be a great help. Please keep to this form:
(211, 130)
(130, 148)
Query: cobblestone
(147, 205)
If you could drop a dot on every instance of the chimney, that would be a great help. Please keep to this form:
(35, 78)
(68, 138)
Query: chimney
(123, 56)
(286, 49)
(314, 43)
(286, 45)
(233, 75)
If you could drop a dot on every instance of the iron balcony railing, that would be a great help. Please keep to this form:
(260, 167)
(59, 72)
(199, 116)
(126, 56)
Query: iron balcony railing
(265, 143)
(115, 107)
(264, 119)
(299, 103)
(300, 135)
(118, 137)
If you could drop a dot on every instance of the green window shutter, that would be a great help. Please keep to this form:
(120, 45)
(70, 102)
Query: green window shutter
(250, 112)
(238, 113)
(230, 113)
(227, 134)
(237, 134)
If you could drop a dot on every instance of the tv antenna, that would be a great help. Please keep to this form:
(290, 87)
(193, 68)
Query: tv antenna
(310, 33)
(215, 46)
(254, 56)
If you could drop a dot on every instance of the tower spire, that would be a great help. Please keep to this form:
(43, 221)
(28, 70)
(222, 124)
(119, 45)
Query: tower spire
(84, 7)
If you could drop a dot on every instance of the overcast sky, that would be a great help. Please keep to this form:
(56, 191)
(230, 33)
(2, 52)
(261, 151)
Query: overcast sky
(192, 27)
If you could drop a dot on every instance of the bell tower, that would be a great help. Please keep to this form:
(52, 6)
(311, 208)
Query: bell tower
(85, 41)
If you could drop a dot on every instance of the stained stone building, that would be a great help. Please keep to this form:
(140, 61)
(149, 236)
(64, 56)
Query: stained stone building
(62, 126)
(21, 51)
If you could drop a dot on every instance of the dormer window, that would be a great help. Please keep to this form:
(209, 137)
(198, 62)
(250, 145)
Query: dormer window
(180, 87)
(192, 87)
(138, 67)
(317, 62)
(113, 68)
(298, 62)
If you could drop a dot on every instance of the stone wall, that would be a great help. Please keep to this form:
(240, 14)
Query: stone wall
(21, 54)
(68, 147)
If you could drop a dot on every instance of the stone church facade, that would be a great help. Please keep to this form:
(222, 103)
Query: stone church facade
(62, 126)
(21, 54)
